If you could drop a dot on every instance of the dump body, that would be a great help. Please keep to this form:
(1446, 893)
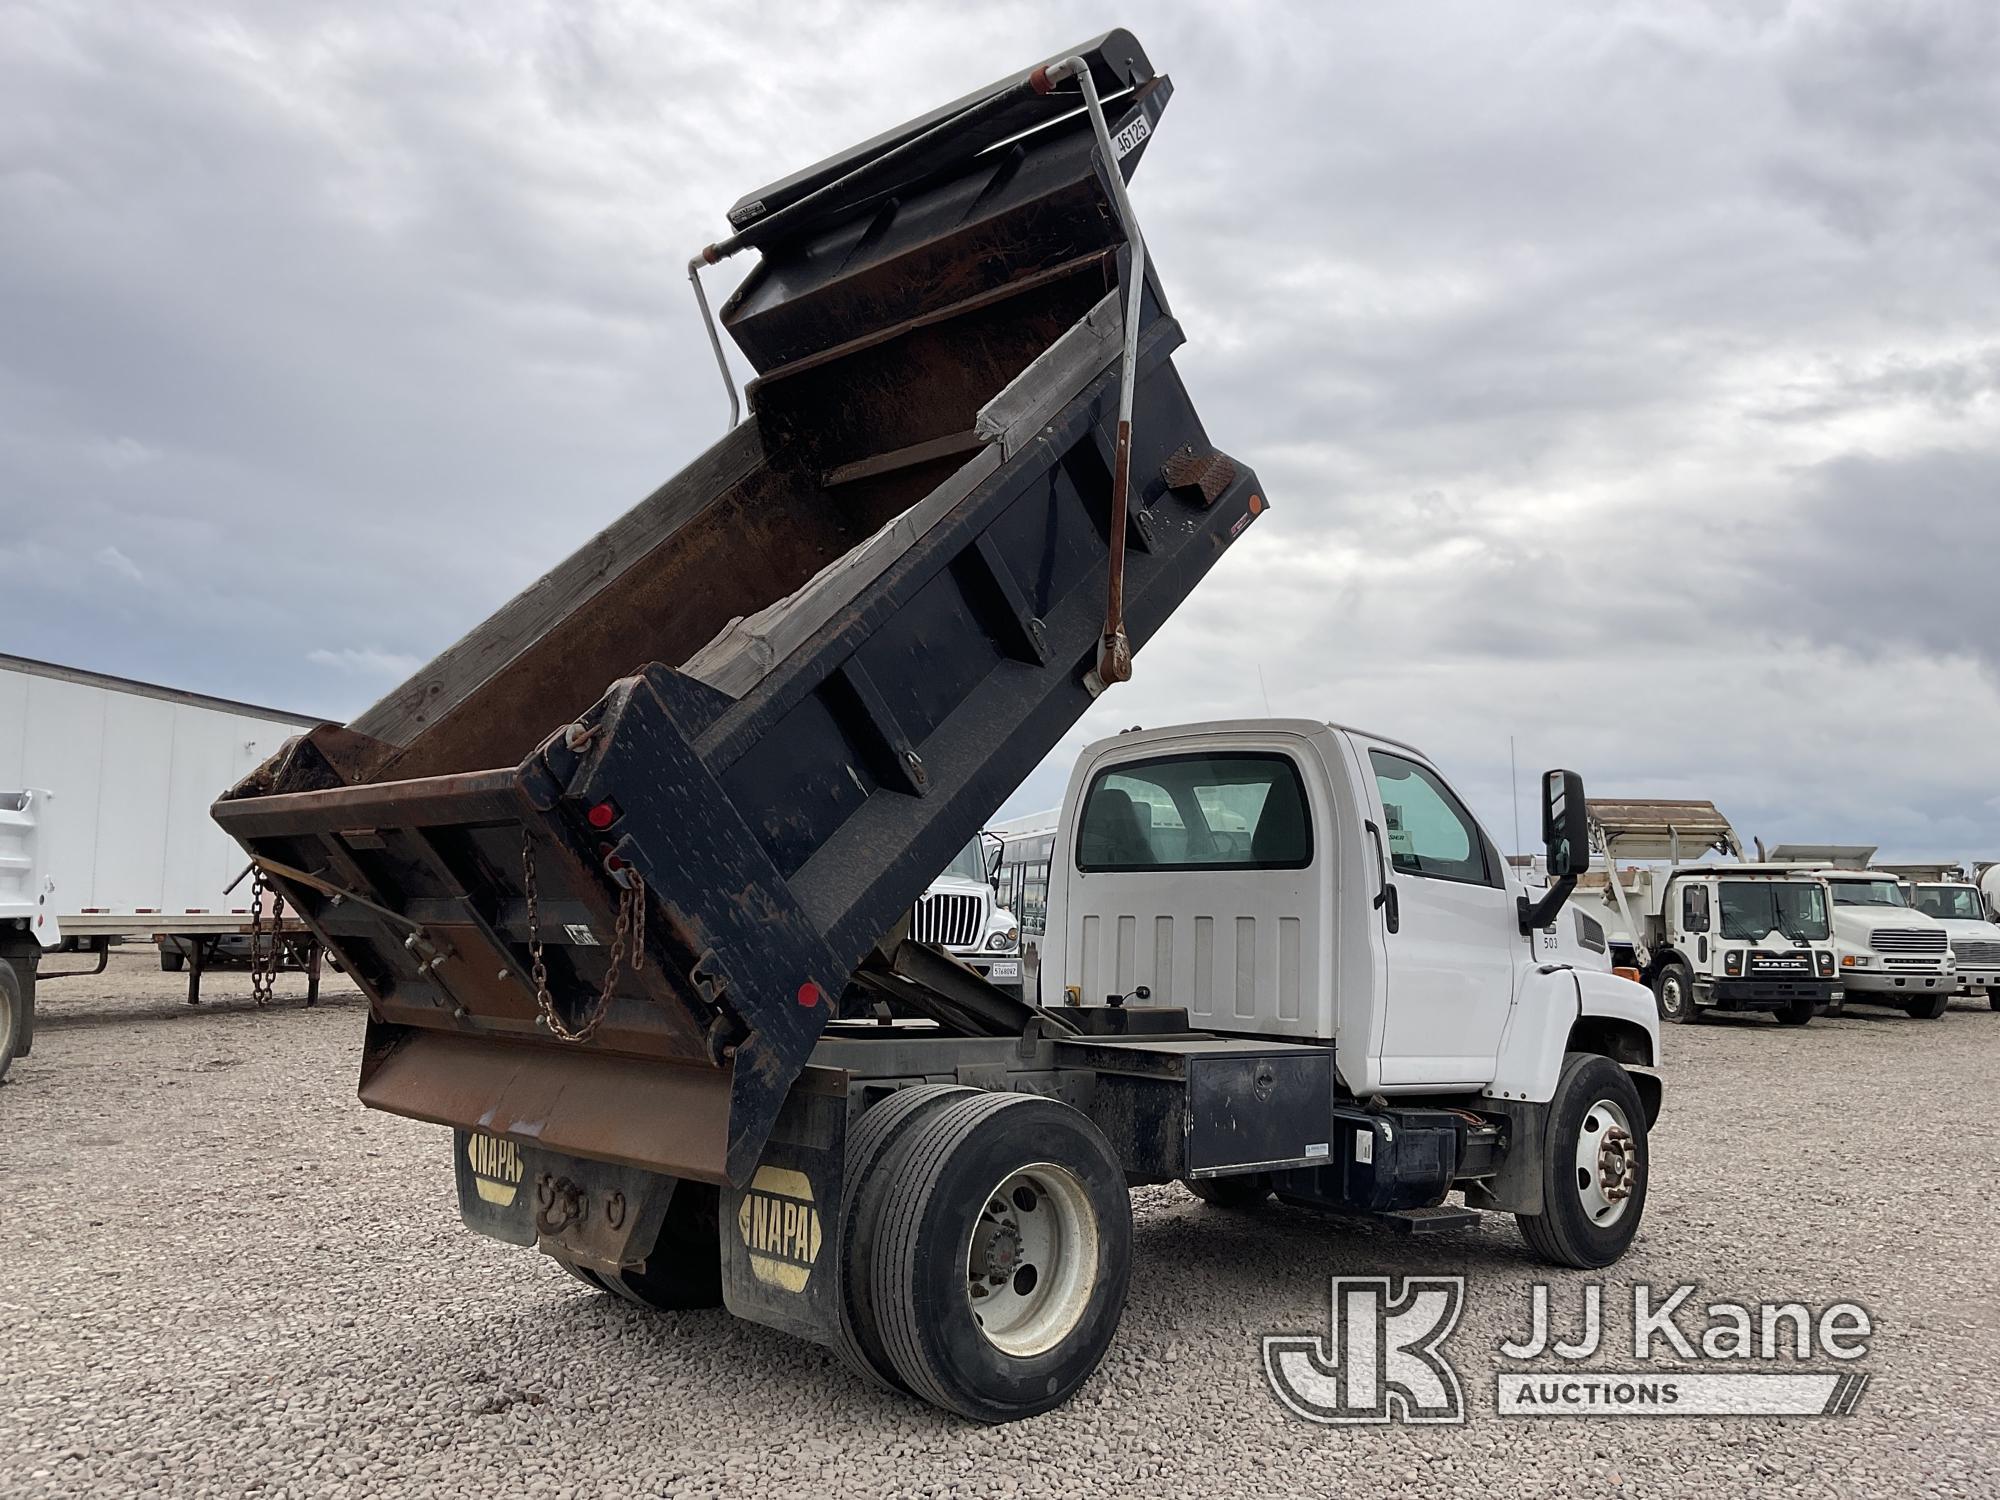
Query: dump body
(777, 697)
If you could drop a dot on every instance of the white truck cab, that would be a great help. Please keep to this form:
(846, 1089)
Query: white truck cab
(1974, 937)
(1285, 878)
(960, 912)
(1890, 953)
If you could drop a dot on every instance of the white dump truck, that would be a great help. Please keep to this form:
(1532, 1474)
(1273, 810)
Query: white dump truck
(1948, 898)
(960, 912)
(1725, 936)
(600, 919)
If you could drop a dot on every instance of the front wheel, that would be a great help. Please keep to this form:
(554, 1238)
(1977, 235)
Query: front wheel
(1930, 1008)
(1673, 989)
(1003, 1254)
(1797, 1012)
(1594, 1166)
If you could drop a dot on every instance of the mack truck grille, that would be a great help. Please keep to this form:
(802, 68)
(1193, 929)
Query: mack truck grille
(951, 921)
(1906, 940)
(1981, 951)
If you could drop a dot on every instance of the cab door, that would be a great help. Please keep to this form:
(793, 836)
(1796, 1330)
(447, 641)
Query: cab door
(1452, 931)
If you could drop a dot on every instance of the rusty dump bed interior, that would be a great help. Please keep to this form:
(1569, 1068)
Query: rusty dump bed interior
(762, 709)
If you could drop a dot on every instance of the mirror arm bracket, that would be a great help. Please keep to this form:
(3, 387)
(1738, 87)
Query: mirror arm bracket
(1543, 911)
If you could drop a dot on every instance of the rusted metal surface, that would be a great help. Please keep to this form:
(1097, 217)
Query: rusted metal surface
(1206, 474)
(607, 1107)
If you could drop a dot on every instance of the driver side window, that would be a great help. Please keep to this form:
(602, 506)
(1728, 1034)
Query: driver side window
(1429, 833)
(1694, 908)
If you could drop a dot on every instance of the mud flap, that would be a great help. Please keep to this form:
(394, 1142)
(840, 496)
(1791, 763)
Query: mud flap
(591, 1213)
(781, 1259)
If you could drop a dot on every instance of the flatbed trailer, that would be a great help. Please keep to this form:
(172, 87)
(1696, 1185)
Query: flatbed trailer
(609, 868)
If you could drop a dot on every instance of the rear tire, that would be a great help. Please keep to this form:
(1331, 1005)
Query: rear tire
(1003, 1257)
(1673, 991)
(1797, 1012)
(1929, 1008)
(1238, 1194)
(863, 1189)
(13, 1015)
(1581, 1224)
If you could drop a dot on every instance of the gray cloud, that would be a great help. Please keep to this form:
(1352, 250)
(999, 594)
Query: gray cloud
(1622, 378)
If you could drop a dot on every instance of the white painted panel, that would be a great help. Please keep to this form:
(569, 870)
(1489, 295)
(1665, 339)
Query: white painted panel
(1288, 968)
(131, 777)
(13, 731)
(63, 755)
(1245, 937)
(130, 854)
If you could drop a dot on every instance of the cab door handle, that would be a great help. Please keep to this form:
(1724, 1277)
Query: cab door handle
(1385, 898)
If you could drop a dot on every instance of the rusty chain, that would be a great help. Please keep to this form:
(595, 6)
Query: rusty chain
(630, 927)
(263, 961)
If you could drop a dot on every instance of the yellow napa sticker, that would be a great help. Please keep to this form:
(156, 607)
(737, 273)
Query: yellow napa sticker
(496, 1168)
(780, 1227)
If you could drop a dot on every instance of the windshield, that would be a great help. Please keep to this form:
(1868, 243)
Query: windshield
(1753, 909)
(1868, 893)
(1957, 902)
(969, 863)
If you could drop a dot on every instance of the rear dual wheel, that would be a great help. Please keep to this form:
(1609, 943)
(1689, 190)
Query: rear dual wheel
(987, 1252)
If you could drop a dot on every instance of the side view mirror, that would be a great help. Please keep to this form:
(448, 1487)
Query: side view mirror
(1565, 824)
(995, 848)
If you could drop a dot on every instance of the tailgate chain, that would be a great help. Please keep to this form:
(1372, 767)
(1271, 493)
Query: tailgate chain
(263, 963)
(631, 926)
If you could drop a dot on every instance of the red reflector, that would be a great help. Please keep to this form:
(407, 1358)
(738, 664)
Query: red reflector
(808, 994)
(613, 862)
(602, 816)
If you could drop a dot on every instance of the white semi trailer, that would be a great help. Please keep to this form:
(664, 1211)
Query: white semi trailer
(1726, 936)
(110, 781)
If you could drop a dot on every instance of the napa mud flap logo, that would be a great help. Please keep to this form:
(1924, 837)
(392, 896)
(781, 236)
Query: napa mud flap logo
(779, 1222)
(496, 1169)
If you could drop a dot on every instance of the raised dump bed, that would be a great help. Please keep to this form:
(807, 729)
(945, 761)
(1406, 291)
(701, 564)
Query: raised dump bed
(603, 867)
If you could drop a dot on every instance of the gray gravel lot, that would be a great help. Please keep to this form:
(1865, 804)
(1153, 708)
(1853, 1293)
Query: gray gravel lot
(222, 1276)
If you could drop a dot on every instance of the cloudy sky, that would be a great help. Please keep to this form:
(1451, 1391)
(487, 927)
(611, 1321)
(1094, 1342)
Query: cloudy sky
(1625, 378)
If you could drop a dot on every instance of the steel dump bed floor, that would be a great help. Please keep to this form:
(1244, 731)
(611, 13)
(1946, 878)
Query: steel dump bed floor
(711, 759)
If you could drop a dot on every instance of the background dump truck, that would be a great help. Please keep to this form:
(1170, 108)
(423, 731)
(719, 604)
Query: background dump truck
(604, 868)
(1724, 936)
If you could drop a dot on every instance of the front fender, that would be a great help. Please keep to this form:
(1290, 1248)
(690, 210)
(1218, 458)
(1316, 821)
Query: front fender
(1564, 1010)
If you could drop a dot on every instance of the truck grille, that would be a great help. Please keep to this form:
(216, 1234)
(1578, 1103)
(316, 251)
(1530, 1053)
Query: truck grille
(1981, 951)
(951, 921)
(1906, 940)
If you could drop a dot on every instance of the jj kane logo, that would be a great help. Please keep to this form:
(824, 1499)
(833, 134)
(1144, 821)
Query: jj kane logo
(1381, 1361)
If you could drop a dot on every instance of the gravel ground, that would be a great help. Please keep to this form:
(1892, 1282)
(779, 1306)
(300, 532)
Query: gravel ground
(222, 1276)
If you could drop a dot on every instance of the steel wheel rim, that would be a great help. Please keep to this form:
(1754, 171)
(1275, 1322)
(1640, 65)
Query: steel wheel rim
(1673, 999)
(1607, 1163)
(1031, 1263)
